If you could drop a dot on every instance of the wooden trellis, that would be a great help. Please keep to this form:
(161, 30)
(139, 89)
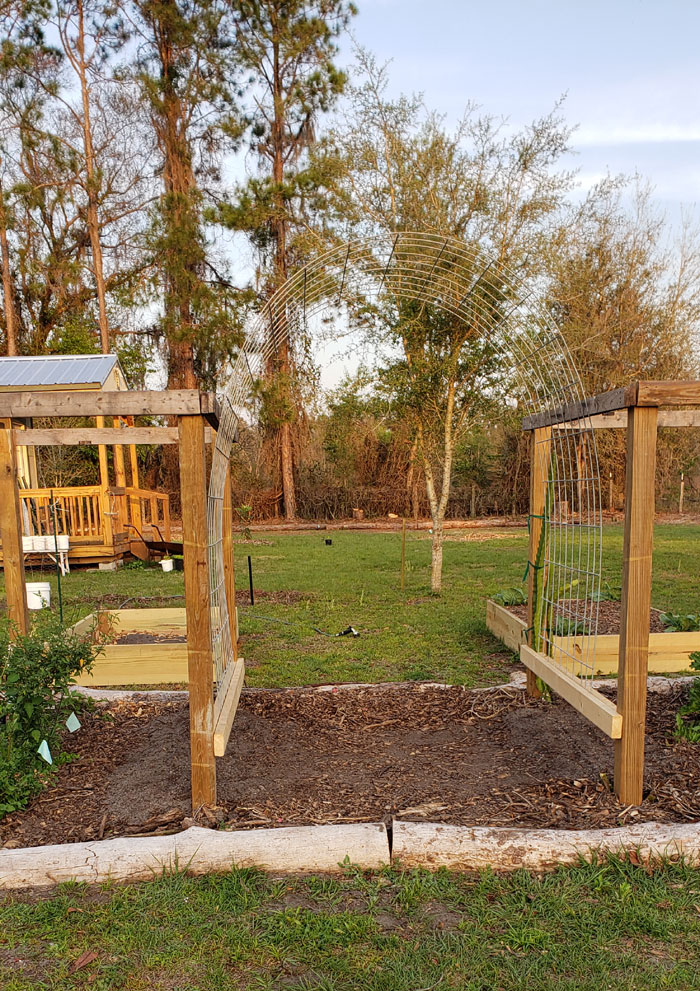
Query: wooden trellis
(210, 718)
(636, 408)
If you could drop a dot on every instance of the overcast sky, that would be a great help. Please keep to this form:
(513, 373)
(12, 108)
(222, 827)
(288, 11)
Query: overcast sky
(629, 69)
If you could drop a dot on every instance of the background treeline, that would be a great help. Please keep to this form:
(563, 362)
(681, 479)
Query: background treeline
(166, 164)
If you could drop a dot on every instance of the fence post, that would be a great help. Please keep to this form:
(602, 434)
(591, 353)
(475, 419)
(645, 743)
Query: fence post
(540, 457)
(11, 535)
(635, 604)
(200, 663)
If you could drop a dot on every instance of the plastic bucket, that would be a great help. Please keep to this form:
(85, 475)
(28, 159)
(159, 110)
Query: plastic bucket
(63, 541)
(43, 543)
(38, 595)
(27, 544)
(167, 564)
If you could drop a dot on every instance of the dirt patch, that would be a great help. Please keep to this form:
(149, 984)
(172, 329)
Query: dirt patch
(451, 755)
(608, 615)
(147, 637)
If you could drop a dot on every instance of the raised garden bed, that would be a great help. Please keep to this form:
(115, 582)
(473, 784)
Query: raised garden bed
(668, 652)
(144, 647)
(415, 752)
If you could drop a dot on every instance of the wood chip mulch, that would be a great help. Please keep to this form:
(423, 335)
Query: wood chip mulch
(363, 754)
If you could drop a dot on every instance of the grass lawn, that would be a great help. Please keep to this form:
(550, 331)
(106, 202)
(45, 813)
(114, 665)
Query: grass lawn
(355, 582)
(611, 926)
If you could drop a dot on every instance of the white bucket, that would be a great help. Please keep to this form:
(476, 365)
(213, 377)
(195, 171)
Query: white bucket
(43, 543)
(38, 595)
(167, 564)
(27, 544)
(63, 541)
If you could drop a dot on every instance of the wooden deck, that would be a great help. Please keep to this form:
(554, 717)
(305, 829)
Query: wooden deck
(103, 523)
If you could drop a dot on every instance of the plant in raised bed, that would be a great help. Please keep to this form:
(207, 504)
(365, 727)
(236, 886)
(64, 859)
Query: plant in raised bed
(679, 623)
(688, 719)
(565, 626)
(36, 671)
(510, 597)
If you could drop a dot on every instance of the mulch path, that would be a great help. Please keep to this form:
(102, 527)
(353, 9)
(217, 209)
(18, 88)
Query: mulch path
(608, 615)
(366, 754)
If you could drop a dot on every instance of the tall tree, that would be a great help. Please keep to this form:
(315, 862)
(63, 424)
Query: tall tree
(186, 70)
(398, 169)
(89, 33)
(288, 48)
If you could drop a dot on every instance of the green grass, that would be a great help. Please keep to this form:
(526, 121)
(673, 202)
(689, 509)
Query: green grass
(355, 582)
(610, 926)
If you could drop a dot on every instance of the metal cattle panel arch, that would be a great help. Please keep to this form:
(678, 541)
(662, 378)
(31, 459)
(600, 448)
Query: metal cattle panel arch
(458, 280)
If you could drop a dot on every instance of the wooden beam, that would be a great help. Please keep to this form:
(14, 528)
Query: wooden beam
(193, 485)
(540, 460)
(635, 604)
(618, 420)
(229, 572)
(11, 536)
(668, 394)
(505, 625)
(590, 703)
(226, 704)
(182, 402)
(74, 436)
(133, 457)
(604, 403)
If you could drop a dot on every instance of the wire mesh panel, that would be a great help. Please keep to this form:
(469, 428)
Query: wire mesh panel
(522, 356)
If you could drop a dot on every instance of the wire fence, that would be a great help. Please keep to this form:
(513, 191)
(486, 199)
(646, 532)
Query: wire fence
(364, 282)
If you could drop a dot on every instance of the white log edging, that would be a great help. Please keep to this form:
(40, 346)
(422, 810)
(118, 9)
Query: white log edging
(433, 845)
(198, 851)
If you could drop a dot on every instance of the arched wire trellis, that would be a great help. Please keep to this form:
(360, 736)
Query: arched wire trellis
(456, 280)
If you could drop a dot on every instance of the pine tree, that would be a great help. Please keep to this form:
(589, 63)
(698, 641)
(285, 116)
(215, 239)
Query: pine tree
(288, 49)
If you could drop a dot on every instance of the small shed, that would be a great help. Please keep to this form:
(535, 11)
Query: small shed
(104, 522)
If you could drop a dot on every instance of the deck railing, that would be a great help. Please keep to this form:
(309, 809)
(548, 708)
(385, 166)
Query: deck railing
(94, 513)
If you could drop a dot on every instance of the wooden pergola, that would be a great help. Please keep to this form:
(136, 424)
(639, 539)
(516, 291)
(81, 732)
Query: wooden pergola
(210, 718)
(640, 409)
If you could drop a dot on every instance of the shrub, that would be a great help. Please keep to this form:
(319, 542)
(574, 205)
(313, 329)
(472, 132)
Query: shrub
(36, 671)
(688, 719)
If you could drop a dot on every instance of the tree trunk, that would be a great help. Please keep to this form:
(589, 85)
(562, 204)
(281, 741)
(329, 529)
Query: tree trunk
(436, 566)
(92, 208)
(281, 272)
(7, 285)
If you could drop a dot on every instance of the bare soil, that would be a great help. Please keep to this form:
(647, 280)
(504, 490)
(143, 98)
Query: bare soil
(608, 615)
(366, 754)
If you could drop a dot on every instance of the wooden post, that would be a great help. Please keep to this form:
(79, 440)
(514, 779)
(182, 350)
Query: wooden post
(119, 478)
(540, 457)
(105, 503)
(11, 536)
(200, 663)
(610, 492)
(682, 493)
(133, 459)
(229, 573)
(635, 603)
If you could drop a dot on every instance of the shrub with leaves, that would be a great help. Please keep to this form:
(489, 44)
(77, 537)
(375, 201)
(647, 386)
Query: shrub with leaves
(510, 597)
(36, 671)
(688, 719)
(678, 623)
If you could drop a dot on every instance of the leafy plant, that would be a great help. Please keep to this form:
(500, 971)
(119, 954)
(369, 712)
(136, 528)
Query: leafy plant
(36, 671)
(678, 623)
(688, 719)
(565, 626)
(244, 514)
(510, 597)
(607, 593)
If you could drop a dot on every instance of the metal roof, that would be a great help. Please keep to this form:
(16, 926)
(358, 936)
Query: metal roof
(42, 371)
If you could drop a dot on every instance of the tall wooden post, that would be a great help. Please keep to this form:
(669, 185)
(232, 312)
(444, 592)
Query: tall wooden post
(107, 524)
(540, 457)
(133, 458)
(11, 535)
(635, 603)
(200, 662)
(229, 572)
